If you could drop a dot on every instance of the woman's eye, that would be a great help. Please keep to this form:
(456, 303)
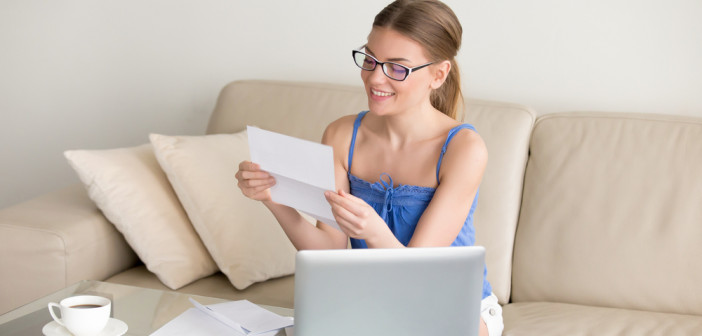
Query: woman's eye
(368, 61)
(397, 69)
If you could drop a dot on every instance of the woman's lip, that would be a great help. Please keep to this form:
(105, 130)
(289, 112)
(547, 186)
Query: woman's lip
(381, 93)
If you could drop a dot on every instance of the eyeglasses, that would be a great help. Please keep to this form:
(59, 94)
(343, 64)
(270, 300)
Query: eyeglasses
(394, 71)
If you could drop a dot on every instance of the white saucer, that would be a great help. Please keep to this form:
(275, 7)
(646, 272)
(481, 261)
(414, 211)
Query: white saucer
(114, 327)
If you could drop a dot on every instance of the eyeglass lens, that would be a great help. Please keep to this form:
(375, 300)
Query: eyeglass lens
(394, 71)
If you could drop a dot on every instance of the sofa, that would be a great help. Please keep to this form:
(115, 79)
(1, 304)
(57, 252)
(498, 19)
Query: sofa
(592, 221)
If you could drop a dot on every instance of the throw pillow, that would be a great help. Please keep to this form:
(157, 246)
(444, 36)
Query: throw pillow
(242, 235)
(129, 187)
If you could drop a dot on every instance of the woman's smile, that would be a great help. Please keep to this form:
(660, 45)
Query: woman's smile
(381, 95)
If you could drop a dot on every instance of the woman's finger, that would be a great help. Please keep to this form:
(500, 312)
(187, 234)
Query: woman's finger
(259, 189)
(267, 182)
(335, 198)
(341, 211)
(248, 165)
(350, 203)
(256, 193)
(256, 185)
(352, 198)
(346, 227)
(253, 175)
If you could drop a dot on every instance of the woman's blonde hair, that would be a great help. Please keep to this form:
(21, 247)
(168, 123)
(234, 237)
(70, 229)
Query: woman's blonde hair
(435, 26)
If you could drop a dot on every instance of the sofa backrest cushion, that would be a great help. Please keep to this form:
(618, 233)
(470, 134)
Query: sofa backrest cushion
(611, 213)
(297, 109)
(305, 109)
(506, 129)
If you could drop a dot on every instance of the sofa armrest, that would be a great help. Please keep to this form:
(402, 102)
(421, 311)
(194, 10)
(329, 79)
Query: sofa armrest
(53, 241)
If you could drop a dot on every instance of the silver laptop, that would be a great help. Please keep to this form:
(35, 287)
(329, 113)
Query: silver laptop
(409, 291)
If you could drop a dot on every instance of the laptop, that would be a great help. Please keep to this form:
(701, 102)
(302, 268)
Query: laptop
(408, 291)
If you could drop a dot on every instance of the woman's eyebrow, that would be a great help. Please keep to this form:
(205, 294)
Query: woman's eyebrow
(389, 60)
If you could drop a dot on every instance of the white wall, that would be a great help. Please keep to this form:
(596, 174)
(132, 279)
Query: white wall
(103, 74)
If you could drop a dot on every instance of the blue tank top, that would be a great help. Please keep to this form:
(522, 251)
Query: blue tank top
(402, 206)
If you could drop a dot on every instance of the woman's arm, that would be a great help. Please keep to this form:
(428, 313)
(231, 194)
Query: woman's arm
(461, 172)
(302, 234)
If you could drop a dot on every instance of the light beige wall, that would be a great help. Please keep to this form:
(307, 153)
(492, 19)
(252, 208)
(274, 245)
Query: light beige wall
(103, 74)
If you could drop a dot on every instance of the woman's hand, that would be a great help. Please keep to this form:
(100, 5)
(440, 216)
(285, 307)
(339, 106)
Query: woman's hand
(355, 217)
(254, 182)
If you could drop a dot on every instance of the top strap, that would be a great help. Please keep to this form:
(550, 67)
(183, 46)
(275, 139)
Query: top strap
(356, 123)
(451, 133)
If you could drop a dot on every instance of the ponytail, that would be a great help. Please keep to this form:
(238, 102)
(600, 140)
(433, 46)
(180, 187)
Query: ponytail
(449, 98)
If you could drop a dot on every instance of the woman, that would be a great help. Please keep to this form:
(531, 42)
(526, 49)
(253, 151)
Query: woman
(426, 165)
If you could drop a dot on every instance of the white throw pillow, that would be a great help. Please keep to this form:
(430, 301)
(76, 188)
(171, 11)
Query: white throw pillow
(242, 235)
(129, 187)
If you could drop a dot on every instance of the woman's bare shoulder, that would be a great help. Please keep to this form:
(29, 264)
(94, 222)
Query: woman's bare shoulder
(467, 150)
(339, 130)
(468, 137)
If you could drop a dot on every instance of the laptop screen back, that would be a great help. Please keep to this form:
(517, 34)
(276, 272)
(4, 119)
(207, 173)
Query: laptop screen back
(410, 291)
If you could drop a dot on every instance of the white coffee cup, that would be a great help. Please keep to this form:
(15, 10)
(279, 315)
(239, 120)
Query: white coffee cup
(83, 315)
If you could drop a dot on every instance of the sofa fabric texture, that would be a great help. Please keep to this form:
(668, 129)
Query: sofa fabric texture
(591, 221)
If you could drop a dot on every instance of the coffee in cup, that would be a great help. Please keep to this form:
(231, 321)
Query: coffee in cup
(83, 315)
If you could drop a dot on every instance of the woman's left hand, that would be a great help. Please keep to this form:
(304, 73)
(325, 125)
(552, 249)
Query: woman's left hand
(355, 217)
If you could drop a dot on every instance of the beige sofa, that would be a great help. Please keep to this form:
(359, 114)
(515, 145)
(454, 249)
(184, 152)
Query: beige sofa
(592, 221)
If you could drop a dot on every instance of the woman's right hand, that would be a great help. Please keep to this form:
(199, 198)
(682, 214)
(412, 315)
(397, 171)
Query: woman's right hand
(254, 182)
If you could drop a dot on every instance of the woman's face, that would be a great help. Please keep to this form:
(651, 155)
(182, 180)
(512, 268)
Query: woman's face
(387, 96)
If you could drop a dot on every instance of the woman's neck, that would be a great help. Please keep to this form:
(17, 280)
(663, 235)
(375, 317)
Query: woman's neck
(407, 127)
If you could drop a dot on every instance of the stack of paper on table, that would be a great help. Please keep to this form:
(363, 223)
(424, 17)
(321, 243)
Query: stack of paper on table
(229, 318)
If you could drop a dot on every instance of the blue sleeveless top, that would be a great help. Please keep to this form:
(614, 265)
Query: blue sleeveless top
(402, 206)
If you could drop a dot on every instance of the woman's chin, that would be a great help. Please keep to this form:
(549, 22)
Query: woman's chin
(380, 108)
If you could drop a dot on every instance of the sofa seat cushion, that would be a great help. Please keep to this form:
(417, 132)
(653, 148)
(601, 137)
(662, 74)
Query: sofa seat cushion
(277, 292)
(544, 318)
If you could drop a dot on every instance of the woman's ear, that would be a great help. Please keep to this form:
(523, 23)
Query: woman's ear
(441, 71)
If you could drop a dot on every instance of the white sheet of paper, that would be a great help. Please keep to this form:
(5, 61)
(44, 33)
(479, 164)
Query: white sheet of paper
(229, 318)
(193, 322)
(254, 319)
(219, 317)
(303, 171)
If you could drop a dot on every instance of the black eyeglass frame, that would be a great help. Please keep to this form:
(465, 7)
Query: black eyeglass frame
(382, 65)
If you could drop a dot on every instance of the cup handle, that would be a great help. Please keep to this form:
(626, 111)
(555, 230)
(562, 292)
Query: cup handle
(53, 315)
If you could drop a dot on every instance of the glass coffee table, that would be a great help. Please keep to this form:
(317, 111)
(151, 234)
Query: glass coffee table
(144, 310)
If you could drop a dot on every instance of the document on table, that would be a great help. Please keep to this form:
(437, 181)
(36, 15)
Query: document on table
(235, 318)
(303, 171)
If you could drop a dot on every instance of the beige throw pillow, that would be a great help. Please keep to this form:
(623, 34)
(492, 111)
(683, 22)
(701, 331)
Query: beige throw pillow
(243, 237)
(128, 186)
